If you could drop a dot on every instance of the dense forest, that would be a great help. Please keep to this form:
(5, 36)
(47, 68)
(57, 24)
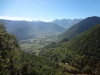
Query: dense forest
(13, 61)
(76, 56)
(81, 52)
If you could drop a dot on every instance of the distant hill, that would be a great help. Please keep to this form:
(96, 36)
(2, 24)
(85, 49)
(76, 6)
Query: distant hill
(49, 28)
(81, 52)
(80, 27)
(26, 29)
(66, 23)
(86, 51)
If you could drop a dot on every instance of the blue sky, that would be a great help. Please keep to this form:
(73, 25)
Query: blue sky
(48, 10)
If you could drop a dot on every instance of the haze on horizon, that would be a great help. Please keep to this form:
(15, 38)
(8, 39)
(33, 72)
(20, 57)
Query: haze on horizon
(48, 10)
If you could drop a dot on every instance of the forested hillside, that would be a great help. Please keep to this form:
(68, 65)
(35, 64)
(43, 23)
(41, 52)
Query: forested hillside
(79, 55)
(9, 52)
(49, 37)
(13, 61)
(81, 52)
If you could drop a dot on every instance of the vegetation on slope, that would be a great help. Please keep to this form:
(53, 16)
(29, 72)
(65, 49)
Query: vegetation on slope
(9, 52)
(78, 55)
(13, 61)
(81, 52)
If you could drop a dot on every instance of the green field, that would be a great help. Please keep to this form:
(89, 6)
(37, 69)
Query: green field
(35, 45)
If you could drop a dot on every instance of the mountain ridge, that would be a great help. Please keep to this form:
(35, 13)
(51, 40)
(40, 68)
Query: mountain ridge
(80, 27)
(27, 30)
(66, 23)
(82, 52)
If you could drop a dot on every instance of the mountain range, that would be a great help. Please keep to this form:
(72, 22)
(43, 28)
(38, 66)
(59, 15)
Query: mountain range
(26, 29)
(80, 27)
(32, 29)
(78, 54)
(81, 52)
(66, 23)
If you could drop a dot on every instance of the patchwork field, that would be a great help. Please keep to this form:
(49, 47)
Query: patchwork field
(35, 45)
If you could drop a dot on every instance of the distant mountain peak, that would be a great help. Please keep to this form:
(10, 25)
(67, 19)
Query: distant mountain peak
(80, 27)
(66, 23)
(32, 29)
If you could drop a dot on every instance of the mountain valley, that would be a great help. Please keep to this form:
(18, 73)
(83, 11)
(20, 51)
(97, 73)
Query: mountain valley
(47, 48)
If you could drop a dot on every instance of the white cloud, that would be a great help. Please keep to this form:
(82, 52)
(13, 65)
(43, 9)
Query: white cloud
(15, 18)
(21, 18)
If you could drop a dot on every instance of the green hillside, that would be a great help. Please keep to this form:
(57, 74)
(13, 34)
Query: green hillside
(13, 61)
(77, 56)
(80, 27)
(9, 52)
(81, 52)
